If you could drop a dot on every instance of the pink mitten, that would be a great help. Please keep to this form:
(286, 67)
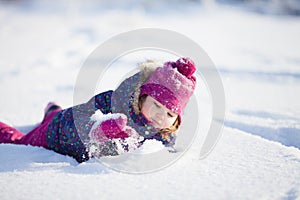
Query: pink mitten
(111, 128)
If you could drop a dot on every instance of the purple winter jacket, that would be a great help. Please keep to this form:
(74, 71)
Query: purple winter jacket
(68, 132)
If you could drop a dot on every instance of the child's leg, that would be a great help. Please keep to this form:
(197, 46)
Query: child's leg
(37, 137)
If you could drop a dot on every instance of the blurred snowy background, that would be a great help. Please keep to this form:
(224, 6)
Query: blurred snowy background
(254, 44)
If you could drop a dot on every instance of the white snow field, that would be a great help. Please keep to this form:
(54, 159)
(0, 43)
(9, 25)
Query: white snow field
(44, 44)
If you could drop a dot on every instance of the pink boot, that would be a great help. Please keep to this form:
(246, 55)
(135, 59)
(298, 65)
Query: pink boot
(9, 134)
(51, 107)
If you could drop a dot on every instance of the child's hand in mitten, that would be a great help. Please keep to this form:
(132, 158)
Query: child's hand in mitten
(112, 127)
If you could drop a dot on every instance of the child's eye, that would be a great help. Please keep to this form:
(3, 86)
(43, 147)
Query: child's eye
(158, 106)
(170, 115)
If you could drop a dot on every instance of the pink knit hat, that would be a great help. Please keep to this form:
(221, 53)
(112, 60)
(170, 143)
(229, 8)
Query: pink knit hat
(172, 84)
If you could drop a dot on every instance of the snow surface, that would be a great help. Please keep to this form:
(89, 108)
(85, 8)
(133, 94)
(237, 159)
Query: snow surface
(43, 45)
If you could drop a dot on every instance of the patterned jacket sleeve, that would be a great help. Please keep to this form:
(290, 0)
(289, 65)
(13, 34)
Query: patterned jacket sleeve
(68, 132)
(101, 101)
(112, 147)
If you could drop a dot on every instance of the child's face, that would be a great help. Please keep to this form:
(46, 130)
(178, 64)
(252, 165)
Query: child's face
(158, 114)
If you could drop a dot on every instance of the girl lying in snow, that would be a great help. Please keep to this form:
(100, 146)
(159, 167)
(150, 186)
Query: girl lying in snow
(147, 105)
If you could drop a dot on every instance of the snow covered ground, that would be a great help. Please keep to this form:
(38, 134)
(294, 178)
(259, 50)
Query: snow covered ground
(43, 45)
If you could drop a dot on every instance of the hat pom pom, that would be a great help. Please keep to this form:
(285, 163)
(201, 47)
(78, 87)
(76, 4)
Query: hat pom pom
(186, 67)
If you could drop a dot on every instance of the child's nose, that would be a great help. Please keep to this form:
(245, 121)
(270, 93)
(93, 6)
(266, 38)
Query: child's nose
(161, 115)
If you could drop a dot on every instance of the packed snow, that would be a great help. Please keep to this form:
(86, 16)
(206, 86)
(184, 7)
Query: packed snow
(44, 44)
